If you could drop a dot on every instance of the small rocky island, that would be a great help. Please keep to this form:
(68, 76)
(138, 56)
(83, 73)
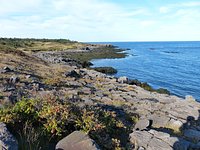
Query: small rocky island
(51, 99)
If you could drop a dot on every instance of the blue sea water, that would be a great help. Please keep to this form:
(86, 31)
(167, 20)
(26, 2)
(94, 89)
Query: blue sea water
(171, 65)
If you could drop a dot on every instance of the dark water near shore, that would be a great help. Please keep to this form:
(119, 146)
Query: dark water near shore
(171, 65)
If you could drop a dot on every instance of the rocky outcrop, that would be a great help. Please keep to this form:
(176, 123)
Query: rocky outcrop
(5, 70)
(174, 123)
(106, 70)
(164, 121)
(7, 141)
(77, 140)
(142, 124)
(72, 73)
(87, 48)
(14, 79)
(156, 140)
(123, 79)
(57, 58)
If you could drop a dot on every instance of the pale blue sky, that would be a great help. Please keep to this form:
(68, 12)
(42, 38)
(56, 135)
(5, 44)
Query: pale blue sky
(102, 20)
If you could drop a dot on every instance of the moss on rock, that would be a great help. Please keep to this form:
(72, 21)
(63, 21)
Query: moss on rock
(106, 70)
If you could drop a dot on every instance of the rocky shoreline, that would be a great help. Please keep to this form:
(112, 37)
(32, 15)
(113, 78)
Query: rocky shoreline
(161, 121)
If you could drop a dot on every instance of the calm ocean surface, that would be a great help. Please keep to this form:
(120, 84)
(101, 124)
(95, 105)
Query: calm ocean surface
(171, 65)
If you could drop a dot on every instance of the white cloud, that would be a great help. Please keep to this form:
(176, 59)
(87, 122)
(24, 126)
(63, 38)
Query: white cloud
(68, 18)
(191, 4)
(164, 9)
(16, 6)
(147, 23)
(174, 6)
(91, 20)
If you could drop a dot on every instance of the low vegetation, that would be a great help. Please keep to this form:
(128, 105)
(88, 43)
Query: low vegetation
(37, 44)
(97, 53)
(147, 87)
(106, 70)
(39, 123)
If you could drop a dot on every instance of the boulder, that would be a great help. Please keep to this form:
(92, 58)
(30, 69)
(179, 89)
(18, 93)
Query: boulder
(159, 121)
(109, 45)
(72, 73)
(177, 143)
(86, 48)
(142, 124)
(123, 79)
(159, 134)
(77, 140)
(7, 141)
(53, 57)
(158, 144)
(189, 98)
(157, 140)
(14, 79)
(28, 76)
(5, 70)
(140, 138)
(106, 70)
(175, 124)
(141, 148)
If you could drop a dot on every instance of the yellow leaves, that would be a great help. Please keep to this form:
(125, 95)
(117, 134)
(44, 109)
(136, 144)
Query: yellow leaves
(116, 142)
(120, 124)
(7, 116)
(25, 106)
(56, 115)
(87, 122)
(49, 112)
(135, 119)
(52, 127)
(6, 119)
(56, 118)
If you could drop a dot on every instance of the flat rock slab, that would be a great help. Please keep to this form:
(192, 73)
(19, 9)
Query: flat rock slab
(156, 140)
(158, 144)
(159, 121)
(142, 124)
(77, 140)
(140, 138)
(7, 141)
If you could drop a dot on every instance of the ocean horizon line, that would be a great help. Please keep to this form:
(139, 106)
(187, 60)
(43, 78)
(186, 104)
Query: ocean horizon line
(136, 41)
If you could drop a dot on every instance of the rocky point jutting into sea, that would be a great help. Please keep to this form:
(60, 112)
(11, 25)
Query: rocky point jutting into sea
(51, 101)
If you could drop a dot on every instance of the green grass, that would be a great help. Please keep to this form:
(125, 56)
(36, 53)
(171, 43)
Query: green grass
(99, 53)
(34, 121)
(34, 45)
(37, 44)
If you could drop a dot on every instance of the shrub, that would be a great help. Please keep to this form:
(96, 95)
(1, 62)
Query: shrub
(31, 139)
(35, 122)
(105, 127)
(50, 116)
